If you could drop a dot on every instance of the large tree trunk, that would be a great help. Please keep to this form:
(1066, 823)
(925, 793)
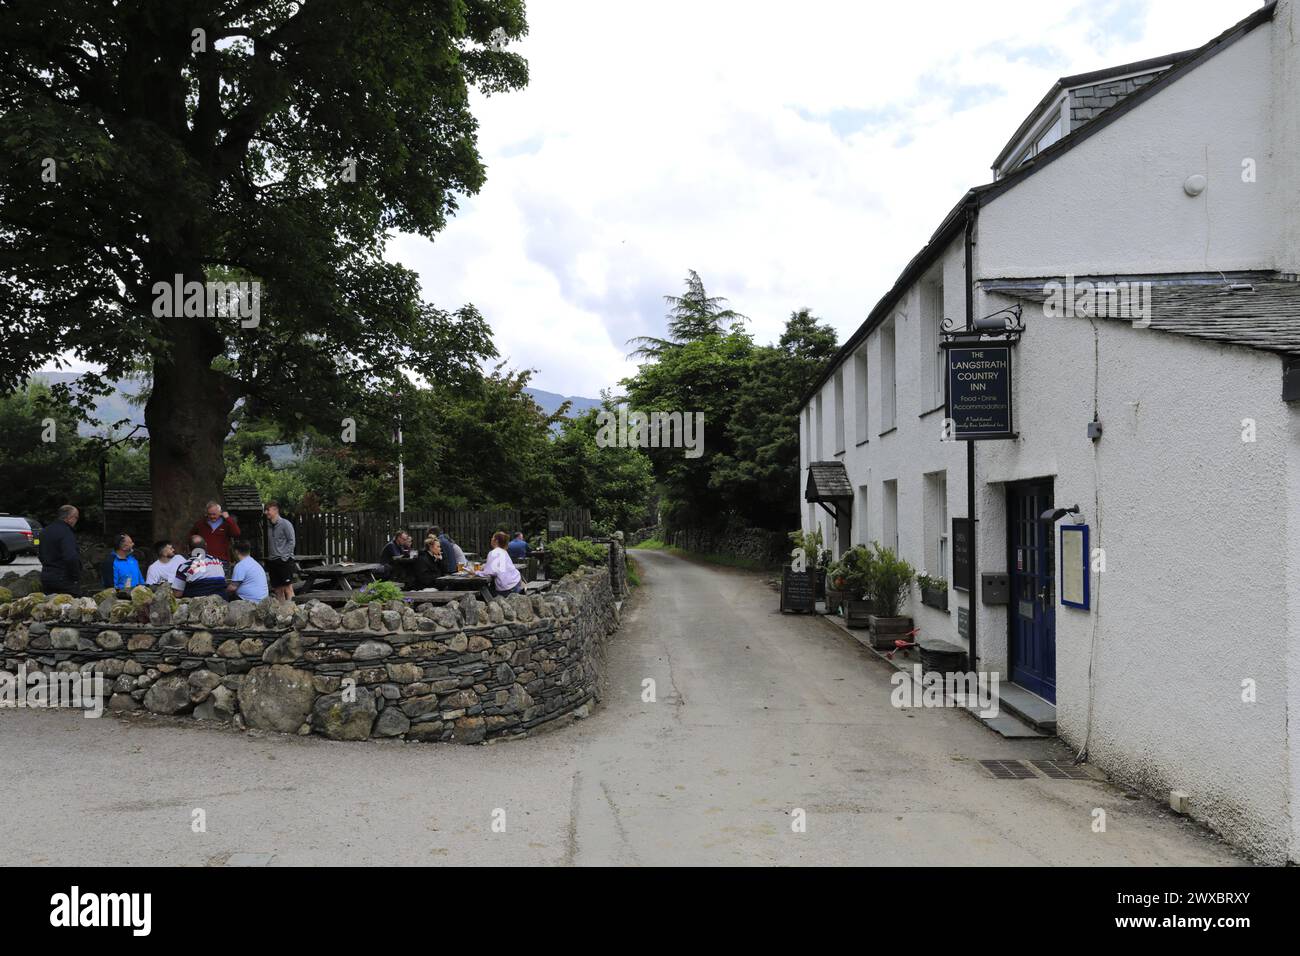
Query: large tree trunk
(188, 417)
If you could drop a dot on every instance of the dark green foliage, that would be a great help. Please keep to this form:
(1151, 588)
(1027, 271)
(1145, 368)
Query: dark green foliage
(568, 554)
(37, 476)
(614, 483)
(380, 592)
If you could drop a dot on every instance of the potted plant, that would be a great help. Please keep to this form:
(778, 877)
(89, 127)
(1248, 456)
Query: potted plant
(853, 573)
(837, 588)
(934, 591)
(824, 558)
(891, 582)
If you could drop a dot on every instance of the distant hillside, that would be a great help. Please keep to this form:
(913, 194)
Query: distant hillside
(550, 401)
(115, 406)
(112, 407)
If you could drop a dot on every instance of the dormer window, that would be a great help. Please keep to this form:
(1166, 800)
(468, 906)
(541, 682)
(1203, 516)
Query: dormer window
(1052, 129)
(1073, 102)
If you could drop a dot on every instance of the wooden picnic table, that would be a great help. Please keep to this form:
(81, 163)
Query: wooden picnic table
(461, 582)
(309, 560)
(339, 574)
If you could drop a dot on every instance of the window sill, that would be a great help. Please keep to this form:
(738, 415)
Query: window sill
(888, 431)
(937, 408)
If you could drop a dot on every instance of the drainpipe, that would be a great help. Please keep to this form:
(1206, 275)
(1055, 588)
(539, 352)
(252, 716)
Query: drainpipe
(972, 212)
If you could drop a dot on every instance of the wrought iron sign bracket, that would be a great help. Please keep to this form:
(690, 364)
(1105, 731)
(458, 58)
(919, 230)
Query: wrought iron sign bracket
(1002, 327)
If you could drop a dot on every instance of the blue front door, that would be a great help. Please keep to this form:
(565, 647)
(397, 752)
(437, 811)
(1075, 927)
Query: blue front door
(1032, 567)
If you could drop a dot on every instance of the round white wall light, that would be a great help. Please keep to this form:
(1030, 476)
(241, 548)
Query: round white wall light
(1194, 184)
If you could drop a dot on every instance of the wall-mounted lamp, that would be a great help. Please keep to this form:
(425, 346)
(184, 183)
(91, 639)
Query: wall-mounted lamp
(1053, 515)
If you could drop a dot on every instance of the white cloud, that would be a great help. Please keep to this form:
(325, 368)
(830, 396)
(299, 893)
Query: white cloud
(792, 154)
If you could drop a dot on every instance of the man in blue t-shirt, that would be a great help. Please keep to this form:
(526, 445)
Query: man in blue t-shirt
(247, 579)
(518, 547)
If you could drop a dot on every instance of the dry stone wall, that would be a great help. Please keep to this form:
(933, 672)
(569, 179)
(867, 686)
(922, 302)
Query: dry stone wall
(465, 671)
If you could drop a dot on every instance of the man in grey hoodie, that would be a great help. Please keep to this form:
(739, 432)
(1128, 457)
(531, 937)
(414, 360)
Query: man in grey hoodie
(280, 546)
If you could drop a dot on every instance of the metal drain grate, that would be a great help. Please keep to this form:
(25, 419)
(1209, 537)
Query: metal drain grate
(1008, 769)
(1059, 770)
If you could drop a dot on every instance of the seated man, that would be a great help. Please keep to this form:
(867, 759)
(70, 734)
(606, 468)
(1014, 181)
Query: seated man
(247, 579)
(518, 547)
(165, 567)
(201, 574)
(397, 548)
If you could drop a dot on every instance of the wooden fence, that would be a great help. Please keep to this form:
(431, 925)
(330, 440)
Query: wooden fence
(361, 535)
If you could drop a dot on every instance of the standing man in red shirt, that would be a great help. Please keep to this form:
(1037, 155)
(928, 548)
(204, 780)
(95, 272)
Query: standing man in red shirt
(218, 530)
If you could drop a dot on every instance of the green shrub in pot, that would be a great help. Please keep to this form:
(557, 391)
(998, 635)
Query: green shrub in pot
(890, 579)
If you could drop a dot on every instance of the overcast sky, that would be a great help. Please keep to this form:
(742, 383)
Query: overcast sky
(792, 154)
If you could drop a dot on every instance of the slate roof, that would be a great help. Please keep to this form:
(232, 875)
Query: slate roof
(1267, 319)
(234, 498)
(827, 481)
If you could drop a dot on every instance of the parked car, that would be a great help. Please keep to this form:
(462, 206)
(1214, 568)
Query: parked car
(18, 536)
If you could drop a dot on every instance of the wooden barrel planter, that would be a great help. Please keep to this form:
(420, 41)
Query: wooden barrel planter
(857, 614)
(886, 630)
(943, 657)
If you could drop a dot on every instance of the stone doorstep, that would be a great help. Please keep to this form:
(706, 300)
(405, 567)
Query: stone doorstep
(1028, 706)
(1010, 722)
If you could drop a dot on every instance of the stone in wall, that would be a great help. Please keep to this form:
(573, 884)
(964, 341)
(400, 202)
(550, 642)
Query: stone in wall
(277, 697)
(342, 716)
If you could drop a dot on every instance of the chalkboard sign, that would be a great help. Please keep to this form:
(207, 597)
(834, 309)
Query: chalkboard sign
(798, 590)
(963, 623)
(979, 392)
(961, 576)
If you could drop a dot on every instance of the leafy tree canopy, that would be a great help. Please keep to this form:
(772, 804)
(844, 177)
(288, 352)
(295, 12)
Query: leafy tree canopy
(749, 396)
(277, 143)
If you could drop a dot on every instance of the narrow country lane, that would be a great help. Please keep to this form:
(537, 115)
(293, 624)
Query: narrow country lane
(755, 715)
(760, 713)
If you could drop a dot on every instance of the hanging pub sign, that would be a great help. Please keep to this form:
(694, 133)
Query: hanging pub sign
(979, 392)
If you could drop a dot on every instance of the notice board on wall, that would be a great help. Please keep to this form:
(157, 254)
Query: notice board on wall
(961, 572)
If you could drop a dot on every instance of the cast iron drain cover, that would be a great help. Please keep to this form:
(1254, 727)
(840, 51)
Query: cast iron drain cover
(1008, 769)
(1059, 770)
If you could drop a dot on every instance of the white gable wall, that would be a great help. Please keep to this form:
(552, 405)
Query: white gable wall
(1115, 202)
